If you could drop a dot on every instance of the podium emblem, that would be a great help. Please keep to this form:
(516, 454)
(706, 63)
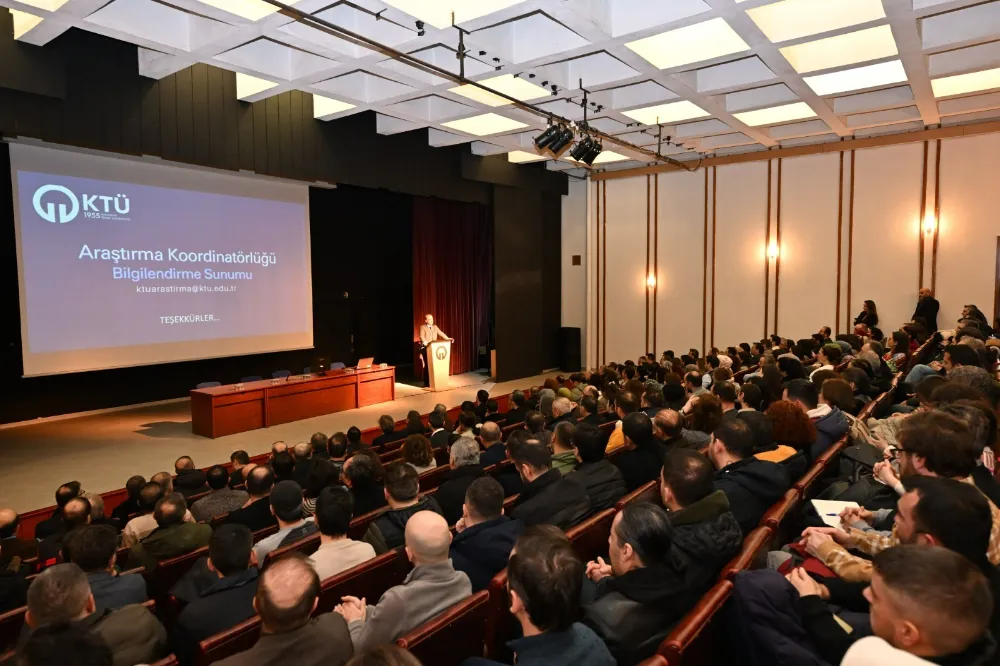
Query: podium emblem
(441, 353)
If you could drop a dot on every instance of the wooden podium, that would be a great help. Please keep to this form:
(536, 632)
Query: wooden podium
(439, 364)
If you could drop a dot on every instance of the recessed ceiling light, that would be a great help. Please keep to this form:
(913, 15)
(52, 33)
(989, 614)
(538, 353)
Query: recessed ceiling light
(776, 114)
(870, 76)
(507, 84)
(252, 10)
(793, 19)
(854, 47)
(247, 86)
(47, 5)
(667, 113)
(693, 43)
(325, 106)
(487, 123)
(521, 157)
(609, 156)
(23, 22)
(438, 12)
(966, 83)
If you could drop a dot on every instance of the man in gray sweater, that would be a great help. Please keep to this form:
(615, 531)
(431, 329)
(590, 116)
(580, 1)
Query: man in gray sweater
(432, 587)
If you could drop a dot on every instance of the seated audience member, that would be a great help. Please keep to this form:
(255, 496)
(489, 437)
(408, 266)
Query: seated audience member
(418, 454)
(750, 485)
(482, 397)
(322, 475)
(241, 466)
(278, 447)
(286, 505)
(562, 412)
(414, 424)
(337, 552)
(643, 591)
(563, 456)
(727, 394)
(705, 535)
(928, 606)
(402, 492)
(389, 434)
(140, 526)
(64, 494)
(930, 444)
(668, 427)
(228, 600)
(792, 435)
(439, 436)
(354, 443)
(703, 417)
(97, 516)
(60, 595)
(13, 549)
(283, 465)
(640, 462)
(120, 514)
(625, 404)
(517, 409)
(830, 422)
(588, 411)
(955, 356)
(493, 448)
(981, 421)
(485, 536)
(604, 482)
(65, 645)
(75, 514)
(546, 496)
(828, 358)
(303, 462)
(189, 480)
(466, 426)
(337, 447)
(508, 476)
(320, 443)
(256, 511)
(651, 402)
(430, 588)
(750, 397)
(465, 469)
(694, 383)
(368, 491)
(534, 423)
(221, 500)
(544, 580)
(493, 414)
(93, 549)
(173, 536)
(287, 593)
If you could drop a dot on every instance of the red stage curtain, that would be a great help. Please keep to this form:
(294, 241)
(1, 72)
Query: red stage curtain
(453, 274)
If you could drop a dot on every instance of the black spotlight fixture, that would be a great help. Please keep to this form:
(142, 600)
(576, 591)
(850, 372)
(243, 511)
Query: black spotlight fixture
(581, 148)
(595, 149)
(543, 140)
(563, 140)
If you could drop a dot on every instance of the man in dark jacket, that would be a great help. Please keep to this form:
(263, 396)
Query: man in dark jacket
(228, 600)
(706, 534)
(92, 548)
(256, 513)
(547, 496)
(402, 489)
(130, 507)
(588, 411)
(642, 458)
(485, 536)
(927, 309)
(493, 448)
(439, 434)
(303, 462)
(751, 485)
(518, 410)
(830, 422)
(643, 591)
(603, 481)
(75, 514)
(465, 469)
(173, 536)
(359, 476)
(53, 524)
(11, 546)
(188, 480)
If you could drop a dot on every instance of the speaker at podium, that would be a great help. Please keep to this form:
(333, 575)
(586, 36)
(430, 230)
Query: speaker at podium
(439, 364)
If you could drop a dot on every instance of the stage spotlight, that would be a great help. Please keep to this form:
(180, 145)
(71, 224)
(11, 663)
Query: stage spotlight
(595, 149)
(581, 148)
(543, 140)
(563, 140)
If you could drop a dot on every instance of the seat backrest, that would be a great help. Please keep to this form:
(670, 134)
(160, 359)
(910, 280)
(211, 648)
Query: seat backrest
(431, 479)
(777, 514)
(306, 546)
(280, 374)
(208, 385)
(229, 642)
(10, 627)
(607, 428)
(647, 493)
(337, 366)
(697, 639)
(590, 538)
(452, 636)
(168, 572)
(368, 580)
(359, 525)
(804, 485)
(500, 624)
(508, 503)
(752, 555)
(251, 378)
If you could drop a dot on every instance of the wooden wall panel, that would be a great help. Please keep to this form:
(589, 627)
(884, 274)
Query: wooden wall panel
(741, 227)
(887, 186)
(807, 283)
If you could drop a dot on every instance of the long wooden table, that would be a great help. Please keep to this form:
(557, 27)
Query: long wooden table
(233, 408)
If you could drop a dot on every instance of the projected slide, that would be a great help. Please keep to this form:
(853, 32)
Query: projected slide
(158, 264)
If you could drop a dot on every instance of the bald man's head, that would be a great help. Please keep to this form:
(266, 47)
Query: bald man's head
(302, 450)
(427, 538)
(184, 462)
(668, 423)
(287, 594)
(8, 523)
(489, 432)
(165, 480)
(77, 512)
(278, 447)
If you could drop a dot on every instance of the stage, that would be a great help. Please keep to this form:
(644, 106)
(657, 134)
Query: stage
(101, 450)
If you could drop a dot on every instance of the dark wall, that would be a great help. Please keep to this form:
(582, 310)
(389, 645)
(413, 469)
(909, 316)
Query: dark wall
(360, 237)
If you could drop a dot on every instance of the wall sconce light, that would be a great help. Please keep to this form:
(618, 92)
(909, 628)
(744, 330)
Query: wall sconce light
(772, 251)
(651, 281)
(930, 224)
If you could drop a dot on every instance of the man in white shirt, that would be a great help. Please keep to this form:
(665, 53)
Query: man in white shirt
(337, 552)
(286, 505)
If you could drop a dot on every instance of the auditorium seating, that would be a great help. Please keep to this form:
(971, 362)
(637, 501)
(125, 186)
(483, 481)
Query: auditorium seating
(590, 538)
(453, 636)
(205, 385)
(647, 493)
(280, 374)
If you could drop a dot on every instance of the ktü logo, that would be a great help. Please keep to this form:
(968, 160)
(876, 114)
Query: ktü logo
(48, 212)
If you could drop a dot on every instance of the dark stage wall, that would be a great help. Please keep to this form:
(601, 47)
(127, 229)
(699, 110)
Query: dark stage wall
(84, 90)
